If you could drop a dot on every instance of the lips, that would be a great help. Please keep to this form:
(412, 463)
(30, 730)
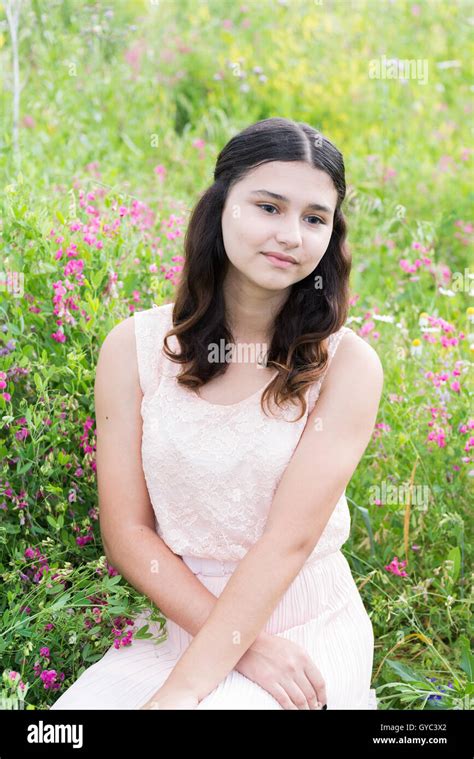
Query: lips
(280, 256)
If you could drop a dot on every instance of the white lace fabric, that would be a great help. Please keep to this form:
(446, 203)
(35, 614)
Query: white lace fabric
(212, 470)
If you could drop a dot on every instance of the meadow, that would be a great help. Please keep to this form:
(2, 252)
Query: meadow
(112, 115)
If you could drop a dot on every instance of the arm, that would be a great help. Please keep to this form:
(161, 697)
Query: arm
(126, 515)
(312, 484)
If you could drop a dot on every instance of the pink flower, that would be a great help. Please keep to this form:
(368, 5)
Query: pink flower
(395, 567)
(48, 676)
(60, 337)
(389, 174)
(439, 436)
(160, 170)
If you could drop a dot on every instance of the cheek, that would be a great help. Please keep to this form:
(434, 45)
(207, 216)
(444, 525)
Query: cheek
(324, 240)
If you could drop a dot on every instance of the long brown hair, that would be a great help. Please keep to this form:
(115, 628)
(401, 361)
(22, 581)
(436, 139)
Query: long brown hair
(298, 348)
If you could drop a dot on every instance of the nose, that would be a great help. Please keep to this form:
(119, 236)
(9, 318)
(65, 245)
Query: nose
(289, 234)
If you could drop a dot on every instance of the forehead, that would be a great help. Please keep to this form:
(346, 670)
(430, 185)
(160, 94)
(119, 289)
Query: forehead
(296, 180)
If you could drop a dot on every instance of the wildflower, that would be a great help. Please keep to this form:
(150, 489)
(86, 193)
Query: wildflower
(416, 347)
(48, 676)
(396, 567)
(160, 171)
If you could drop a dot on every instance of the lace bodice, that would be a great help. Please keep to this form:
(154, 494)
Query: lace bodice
(212, 470)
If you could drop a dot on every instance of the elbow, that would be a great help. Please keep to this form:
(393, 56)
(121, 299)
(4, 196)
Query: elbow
(297, 549)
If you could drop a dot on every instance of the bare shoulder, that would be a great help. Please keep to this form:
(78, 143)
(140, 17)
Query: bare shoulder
(353, 348)
(117, 356)
(356, 365)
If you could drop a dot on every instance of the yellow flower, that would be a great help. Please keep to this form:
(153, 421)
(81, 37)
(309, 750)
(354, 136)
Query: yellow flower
(416, 341)
(470, 311)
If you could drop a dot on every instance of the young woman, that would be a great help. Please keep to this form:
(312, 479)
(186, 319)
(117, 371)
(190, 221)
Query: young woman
(222, 473)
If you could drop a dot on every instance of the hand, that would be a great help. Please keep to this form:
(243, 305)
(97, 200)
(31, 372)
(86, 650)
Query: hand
(171, 696)
(285, 670)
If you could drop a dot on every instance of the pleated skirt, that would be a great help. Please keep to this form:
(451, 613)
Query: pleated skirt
(321, 610)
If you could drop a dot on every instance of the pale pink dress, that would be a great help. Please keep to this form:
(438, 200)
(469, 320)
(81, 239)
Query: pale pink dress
(211, 472)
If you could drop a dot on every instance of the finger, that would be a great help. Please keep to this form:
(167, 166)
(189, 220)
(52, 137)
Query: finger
(307, 688)
(279, 694)
(317, 681)
(296, 695)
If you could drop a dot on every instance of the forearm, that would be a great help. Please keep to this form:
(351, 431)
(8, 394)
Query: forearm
(241, 611)
(150, 566)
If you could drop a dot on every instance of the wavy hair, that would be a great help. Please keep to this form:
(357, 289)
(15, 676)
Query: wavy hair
(298, 347)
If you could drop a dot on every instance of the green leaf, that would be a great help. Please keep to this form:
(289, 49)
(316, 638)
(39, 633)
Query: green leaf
(12, 529)
(455, 556)
(51, 520)
(25, 467)
(61, 602)
(38, 381)
(113, 580)
(143, 633)
(368, 524)
(405, 672)
(96, 278)
(467, 659)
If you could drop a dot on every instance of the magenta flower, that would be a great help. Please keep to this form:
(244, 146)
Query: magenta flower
(160, 171)
(22, 434)
(51, 679)
(395, 567)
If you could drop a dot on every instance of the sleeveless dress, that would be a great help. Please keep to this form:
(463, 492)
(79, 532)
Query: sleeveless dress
(211, 471)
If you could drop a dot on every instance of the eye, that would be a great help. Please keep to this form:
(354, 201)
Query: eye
(268, 205)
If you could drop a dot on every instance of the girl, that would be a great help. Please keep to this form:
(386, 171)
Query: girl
(229, 424)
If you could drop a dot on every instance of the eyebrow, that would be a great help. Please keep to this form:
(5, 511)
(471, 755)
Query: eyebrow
(276, 196)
